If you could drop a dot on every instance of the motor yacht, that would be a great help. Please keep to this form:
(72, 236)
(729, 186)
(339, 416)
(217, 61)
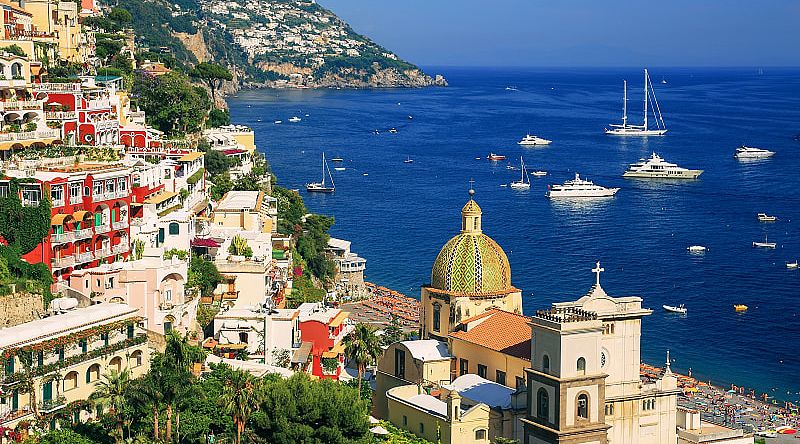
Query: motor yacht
(656, 167)
(675, 309)
(495, 157)
(530, 140)
(697, 249)
(748, 152)
(763, 217)
(295, 119)
(539, 173)
(578, 187)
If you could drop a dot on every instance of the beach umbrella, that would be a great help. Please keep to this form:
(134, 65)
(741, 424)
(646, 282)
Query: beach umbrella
(379, 430)
(374, 420)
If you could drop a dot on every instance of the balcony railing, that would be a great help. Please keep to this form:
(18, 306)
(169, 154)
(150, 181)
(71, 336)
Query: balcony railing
(85, 233)
(62, 262)
(29, 135)
(102, 254)
(60, 115)
(100, 103)
(84, 258)
(18, 105)
(120, 248)
(120, 224)
(52, 404)
(67, 87)
(55, 203)
(102, 229)
(61, 238)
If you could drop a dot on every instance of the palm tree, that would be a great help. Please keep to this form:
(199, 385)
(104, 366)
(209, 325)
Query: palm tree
(111, 391)
(363, 346)
(241, 397)
(146, 393)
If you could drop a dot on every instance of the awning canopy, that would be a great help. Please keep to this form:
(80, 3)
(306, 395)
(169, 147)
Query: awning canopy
(158, 198)
(59, 219)
(205, 242)
(300, 355)
(189, 157)
(337, 321)
(337, 350)
(79, 215)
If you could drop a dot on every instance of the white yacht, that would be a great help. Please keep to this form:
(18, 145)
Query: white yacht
(626, 129)
(524, 183)
(295, 119)
(748, 152)
(657, 168)
(579, 188)
(681, 309)
(322, 187)
(530, 140)
(696, 249)
(765, 244)
(764, 217)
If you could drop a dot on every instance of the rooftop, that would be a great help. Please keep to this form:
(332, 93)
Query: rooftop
(42, 329)
(482, 390)
(239, 200)
(427, 349)
(498, 330)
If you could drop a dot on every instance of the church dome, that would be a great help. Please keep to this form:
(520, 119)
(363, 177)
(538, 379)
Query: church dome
(471, 263)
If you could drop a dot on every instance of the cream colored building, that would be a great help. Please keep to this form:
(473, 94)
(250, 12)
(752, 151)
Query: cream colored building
(70, 353)
(470, 275)
(584, 384)
(693, 430)
(246, 210)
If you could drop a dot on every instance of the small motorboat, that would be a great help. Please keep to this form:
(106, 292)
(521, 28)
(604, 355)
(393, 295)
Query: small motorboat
(765, 244)
(410, 117)
(294, 119)
(763, 217)
(339, 168)
(539, 173)
(278, 122)
(740, 308)
(408, 160)
(792, 265)
(495, 157)
(365, 174)
(697, 249)
(337, 159)
(393, 130)
(673, 309)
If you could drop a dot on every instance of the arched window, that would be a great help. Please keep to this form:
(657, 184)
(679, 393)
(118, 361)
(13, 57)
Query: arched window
(542, 404)
(136, 358)
(93, 373)
(546, 364)
(71, 381)
(174, 228)
(115, 364)
(480, 435)
(583, 406)
(581, 367)
(437, 311)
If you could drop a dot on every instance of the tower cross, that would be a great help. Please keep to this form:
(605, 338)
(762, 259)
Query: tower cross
(597, 270)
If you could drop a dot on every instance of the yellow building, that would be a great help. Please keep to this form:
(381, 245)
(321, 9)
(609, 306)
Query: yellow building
(494, 345)
(66, 355)
(57, 22)
(470, 275)
(246, 210)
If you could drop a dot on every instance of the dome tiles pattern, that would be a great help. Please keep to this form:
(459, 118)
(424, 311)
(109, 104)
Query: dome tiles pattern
(471, 263)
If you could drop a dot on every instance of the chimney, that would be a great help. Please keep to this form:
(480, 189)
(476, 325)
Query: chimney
(453, 406)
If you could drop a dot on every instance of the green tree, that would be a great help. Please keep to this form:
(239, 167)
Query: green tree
(145, 394)
(240, 398)
(392, 333)
(363, 347)
(172, 103)
(213, 75)
(203, 275)
(219, 117)
(14, 49)
(120, 15)
(111, 391)
(63, 436)
(216, 163)
(221, 184)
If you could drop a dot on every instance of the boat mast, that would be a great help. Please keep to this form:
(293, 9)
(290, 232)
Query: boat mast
(325, 165)
(323, 170)
(625, 103)
(645, 99)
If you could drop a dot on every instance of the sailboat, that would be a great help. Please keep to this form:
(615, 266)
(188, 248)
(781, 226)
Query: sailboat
(765, 244)
(322, 187)
(640, 130)
(524, 183)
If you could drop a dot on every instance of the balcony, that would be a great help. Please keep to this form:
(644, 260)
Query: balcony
(29, 135)
(120, 224)
(85, 233)
(20, 105)
(102, 254)
(55, 203)
(98, 103)
(102, 229)
(61, 238)
(65, 87)
(52, 405)
(63, 262)
(60, 115)
(84, 258)
(13, 83)
(120, 248)
(165, 306)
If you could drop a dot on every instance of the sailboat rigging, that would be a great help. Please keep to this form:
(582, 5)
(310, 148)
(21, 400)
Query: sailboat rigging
(322, 187)
(640, 130)
(524, 182)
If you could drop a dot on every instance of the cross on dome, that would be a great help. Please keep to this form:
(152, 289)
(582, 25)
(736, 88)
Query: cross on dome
(471, 187)
(597, 270)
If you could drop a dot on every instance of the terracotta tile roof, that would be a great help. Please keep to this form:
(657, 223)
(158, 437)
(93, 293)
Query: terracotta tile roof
(498, 330)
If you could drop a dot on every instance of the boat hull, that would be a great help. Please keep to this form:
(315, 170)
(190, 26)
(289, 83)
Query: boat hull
(688, 174)
(634, 132)
(765, 244)
(534, 143)
(589, 194)
(520, 186)
(672, 309)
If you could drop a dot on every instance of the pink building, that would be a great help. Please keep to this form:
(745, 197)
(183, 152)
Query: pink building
(324, 328)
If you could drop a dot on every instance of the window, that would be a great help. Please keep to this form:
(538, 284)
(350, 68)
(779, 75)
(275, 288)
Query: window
(583, 406)
(136, 357)
(168, 295)
(581, 366)
(71, 381)
(57, 193)
(520, 383)
(546, 364)
(93, 373)
(9, 365)
(160, 239)
(122, 185)
(480, 435)
(74, 191)
(40, 358)
(84, 345)
(405, 421)
(104, 337)
(648, 404)
(110, 186)
(482, 371)
(542, 404)
(130, 331)
(463, 367)
(421, 428)
(5, 190)
(437, 316)
(501, 377)
(31, 197)
(174, 228)
(60, 351)
(400, 363)
(610, 409)
(97, 188)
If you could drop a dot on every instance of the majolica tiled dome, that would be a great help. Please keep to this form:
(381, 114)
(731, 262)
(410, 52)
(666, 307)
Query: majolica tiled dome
(471, 263)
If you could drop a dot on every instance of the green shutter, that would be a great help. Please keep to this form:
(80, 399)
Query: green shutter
(98, 219)
(130, 331)
(15, 400)
(47, 391)
(10, 365)
(40, 358)
(160, 236)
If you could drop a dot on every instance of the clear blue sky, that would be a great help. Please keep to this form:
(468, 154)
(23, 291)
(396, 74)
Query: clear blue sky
(581, 32)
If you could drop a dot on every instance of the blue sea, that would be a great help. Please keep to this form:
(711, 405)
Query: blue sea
(399, 215)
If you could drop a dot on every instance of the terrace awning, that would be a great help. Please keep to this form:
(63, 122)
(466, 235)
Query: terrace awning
(59, 219)
(79, 215)
(300, 355)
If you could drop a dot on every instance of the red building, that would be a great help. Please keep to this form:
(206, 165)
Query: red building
(90, 215)
(324, 328)
(85, 112)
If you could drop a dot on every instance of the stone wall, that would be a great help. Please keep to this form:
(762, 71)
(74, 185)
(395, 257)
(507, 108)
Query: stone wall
(19, 308)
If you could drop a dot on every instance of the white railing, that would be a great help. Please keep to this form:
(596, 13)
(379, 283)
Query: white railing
(16, 105)
(60, 115)
(85, 233)
(120, 224)
(60, 238)
(83, 258)
(66, 261)
(69, 87)
(120, 248)
(29, 135)
(57, 203)
(101, 229)
(102, 254)
(99, 103)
